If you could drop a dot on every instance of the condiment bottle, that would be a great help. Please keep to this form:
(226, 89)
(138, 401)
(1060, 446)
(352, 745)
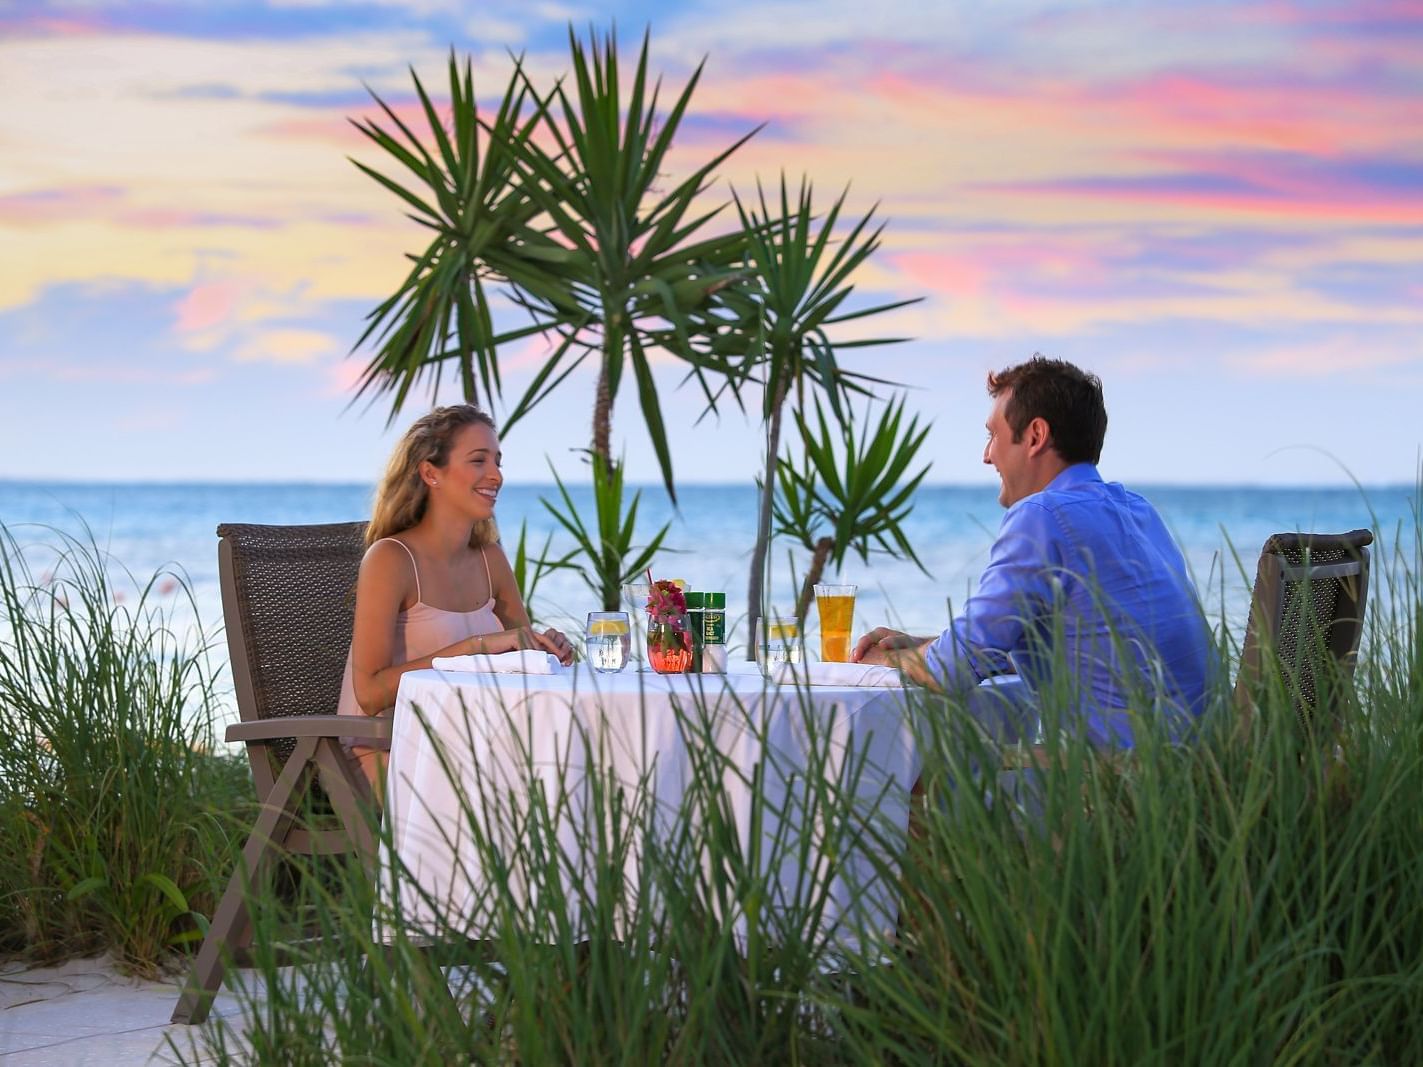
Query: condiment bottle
(696, 611)
(713, 633)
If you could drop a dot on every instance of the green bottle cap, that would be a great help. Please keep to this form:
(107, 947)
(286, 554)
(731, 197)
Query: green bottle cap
(716, 600)
(696, 600)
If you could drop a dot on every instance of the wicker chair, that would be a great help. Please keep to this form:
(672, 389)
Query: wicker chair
(286, 599)
(1306, 619)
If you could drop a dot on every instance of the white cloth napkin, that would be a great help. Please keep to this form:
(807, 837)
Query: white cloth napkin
(844, 674)
(520, 661)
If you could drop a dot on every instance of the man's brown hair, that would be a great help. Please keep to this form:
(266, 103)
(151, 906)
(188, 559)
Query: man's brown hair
(1066, 397)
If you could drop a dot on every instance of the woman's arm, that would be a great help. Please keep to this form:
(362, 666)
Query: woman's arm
(509, 605)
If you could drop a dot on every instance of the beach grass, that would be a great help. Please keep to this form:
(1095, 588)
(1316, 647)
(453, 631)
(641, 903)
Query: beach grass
(117, 817)
(1251, 895)
(1254, 894)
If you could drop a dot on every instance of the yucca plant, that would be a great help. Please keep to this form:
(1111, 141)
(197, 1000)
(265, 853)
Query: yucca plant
(851, 491)
(637, 254)
(530, 570)
(470, 193)
(779, 320)
(612, 557)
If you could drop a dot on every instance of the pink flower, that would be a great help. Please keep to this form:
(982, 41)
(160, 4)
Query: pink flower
(665, 602)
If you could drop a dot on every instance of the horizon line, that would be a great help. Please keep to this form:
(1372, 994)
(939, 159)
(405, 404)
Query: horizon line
(179, 483)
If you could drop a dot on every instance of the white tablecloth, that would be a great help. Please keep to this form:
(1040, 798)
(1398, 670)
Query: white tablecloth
(469, 751)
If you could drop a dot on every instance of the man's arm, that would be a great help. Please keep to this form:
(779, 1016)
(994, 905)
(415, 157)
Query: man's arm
(979, 641)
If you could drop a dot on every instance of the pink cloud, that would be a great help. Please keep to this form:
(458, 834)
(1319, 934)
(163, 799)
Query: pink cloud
(343, 378)
(981, 266)
(41, 25)
(942, 273)
(205, 306)
(331, 129)
(41, 207)
(37, 207)
(1355, 13)
(1277, 108)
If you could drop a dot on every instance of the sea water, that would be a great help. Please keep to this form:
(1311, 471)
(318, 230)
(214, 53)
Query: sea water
(144, 528)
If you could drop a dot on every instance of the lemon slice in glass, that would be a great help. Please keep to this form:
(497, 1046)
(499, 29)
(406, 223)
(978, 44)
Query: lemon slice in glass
(607, 627)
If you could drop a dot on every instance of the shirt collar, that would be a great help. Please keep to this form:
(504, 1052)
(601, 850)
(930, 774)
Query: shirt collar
(1077, 474)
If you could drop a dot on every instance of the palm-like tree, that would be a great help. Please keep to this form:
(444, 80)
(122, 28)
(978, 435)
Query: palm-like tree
(850, 492)
(780, 320)
(635, 254)
(471, 194)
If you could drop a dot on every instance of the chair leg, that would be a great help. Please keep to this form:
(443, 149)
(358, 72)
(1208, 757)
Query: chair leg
(232, 920)
(349, 795)
(229, 922)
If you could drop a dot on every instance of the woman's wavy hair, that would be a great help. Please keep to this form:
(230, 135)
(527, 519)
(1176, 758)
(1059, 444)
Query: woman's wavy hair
(402, 496)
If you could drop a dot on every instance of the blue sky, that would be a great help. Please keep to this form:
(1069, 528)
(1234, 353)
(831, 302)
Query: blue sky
(1218, 208)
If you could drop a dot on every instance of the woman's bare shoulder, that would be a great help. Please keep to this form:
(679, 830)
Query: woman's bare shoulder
(387, 558)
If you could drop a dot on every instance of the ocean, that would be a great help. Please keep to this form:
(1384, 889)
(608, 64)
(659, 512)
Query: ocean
(144, 528)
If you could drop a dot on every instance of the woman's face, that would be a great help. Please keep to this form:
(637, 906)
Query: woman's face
(470, 478)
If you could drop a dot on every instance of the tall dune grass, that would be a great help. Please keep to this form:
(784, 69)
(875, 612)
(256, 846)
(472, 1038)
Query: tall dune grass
(116, 818)
(1252, 895)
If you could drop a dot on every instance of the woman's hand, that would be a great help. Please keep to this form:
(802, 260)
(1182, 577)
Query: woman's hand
(554, 641)
(519, 637)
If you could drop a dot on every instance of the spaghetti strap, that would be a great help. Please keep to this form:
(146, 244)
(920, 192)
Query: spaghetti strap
(488, 578)
(419, 598)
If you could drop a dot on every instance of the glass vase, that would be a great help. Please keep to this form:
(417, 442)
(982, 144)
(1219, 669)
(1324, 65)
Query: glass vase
(669, 643)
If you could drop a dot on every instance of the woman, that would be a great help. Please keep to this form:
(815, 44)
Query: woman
(434, 581)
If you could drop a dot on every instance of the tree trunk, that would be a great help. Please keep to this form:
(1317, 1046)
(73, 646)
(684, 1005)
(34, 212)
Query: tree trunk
(602, 457)
(603, 422)
(823, 548)
(756, 586)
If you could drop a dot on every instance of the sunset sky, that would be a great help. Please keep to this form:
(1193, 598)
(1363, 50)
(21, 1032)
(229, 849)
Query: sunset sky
(1218, 207)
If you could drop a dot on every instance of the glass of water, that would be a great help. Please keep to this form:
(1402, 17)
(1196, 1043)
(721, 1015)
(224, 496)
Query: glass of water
(777, 640)
(609, 638)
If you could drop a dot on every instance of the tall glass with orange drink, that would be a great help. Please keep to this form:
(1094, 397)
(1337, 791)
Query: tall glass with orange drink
(836, 604)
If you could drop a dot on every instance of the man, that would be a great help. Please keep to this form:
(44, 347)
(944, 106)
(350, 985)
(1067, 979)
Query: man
(1085, 590)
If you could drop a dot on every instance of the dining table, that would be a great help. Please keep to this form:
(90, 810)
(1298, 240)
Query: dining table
(492, 774)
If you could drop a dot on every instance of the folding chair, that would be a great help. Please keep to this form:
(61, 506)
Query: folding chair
(287, 598)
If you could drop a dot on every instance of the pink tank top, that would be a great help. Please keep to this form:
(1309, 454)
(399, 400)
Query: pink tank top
(422, 629)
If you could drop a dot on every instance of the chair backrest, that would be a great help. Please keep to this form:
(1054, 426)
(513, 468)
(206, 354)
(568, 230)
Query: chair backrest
(1306, 616)
(288, 594)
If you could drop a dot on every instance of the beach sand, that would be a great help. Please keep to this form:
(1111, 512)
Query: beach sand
(86, 1012)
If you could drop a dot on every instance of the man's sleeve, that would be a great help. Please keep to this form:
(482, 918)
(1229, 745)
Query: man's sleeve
(1017, 579)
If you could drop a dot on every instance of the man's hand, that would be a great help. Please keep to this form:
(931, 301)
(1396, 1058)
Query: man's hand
(876, 645)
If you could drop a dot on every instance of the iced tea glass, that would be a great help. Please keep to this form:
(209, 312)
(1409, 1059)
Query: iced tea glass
(836, 604)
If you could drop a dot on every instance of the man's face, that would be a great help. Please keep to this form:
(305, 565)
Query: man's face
(1009, 458)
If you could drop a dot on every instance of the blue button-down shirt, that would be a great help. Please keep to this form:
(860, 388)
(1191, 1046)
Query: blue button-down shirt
(1085, 589)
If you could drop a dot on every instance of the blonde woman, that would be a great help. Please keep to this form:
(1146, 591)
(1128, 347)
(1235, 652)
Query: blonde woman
(434, 581)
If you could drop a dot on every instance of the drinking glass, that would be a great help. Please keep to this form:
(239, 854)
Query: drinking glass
(836, 604)
(777, 640)
(635, 604)
(609, 639)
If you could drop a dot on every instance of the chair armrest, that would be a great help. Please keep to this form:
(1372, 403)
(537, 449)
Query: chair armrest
(372, 728)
